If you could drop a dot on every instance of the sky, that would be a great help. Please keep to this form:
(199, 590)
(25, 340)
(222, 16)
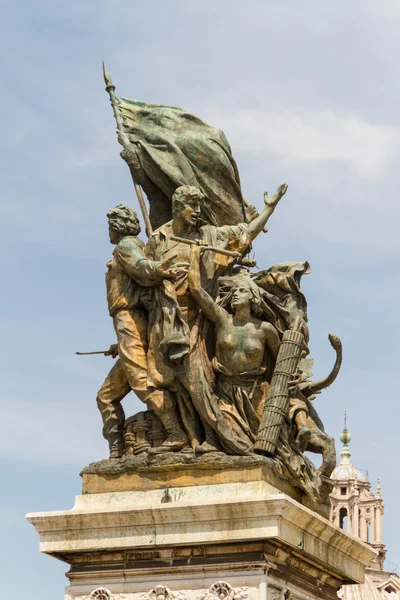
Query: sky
(307, 93)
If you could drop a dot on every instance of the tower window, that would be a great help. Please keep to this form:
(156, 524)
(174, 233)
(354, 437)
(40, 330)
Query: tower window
(343, 491)
(343, 519)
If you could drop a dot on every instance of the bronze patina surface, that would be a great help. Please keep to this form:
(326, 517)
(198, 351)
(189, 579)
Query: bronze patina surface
(215, 348)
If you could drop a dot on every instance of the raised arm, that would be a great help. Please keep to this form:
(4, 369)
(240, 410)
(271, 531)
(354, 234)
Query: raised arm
(212, 311)
(258, 224)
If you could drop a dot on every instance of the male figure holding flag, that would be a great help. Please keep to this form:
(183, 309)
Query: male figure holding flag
(196, 375)
(166, 148)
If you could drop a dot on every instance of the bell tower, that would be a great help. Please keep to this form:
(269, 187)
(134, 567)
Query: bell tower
(354, 508)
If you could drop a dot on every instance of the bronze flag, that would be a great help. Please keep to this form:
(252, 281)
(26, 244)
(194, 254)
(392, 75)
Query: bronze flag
(174, 148)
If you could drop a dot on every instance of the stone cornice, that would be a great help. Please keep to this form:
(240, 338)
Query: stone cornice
(114, 522)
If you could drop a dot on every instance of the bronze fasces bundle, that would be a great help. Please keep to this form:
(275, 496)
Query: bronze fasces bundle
(277, 404)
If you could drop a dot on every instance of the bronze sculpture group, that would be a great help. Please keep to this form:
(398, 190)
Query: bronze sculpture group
(215, 350)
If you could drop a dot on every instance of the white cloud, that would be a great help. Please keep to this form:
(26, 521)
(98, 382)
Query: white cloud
(310, 137)
(305, 138)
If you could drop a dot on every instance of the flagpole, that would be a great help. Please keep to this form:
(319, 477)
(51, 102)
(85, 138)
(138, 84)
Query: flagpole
(110, 88)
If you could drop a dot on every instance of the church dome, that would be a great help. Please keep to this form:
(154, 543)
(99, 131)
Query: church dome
(346, 471)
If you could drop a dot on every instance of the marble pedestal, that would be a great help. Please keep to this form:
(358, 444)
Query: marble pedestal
(241, 540)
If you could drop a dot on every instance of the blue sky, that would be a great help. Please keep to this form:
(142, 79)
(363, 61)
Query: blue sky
(308, 94)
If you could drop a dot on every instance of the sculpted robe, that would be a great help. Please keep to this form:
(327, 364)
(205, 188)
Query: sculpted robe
(228, 237)
(195, 374)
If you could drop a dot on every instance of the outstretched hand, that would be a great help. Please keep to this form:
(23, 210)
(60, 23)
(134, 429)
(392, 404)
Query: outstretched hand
(168, 269)
(112, 351)
(272, 201)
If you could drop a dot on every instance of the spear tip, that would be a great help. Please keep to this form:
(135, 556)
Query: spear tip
(106, 75)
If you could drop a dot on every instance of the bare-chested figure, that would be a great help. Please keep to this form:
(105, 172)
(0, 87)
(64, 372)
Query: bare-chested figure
(243, 342)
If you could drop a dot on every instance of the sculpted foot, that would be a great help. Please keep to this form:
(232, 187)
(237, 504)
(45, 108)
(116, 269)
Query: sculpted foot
(174, 443)
(163, 449)
(177, 438)
(206, 447)
(116, 449)
(210, 443)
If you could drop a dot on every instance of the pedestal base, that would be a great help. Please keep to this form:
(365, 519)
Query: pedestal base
(249, 541)
(171, 470)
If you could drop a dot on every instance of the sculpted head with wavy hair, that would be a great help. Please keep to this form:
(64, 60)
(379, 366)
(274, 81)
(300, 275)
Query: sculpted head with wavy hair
(186, 203)
(245, 292)
(122, 221)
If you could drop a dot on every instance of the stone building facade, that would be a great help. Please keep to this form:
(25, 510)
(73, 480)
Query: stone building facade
(359, 512)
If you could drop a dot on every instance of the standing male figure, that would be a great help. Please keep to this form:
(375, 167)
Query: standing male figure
(196, 376)
(128, 278)
(185, 223)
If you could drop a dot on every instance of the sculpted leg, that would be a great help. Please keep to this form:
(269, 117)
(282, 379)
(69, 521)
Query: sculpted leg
(210, 443)
(163, 405)
(298, 413)
(131, 329)
(113, 390)
(321, 443)
(303, 432)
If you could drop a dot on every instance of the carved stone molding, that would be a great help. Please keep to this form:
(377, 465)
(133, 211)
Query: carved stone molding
(100, 594)
(274, 593)
(161, 592)
(221, 590)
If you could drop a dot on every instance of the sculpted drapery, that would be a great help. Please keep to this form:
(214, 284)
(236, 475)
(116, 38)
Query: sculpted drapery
(210, 327)
(170, 147)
